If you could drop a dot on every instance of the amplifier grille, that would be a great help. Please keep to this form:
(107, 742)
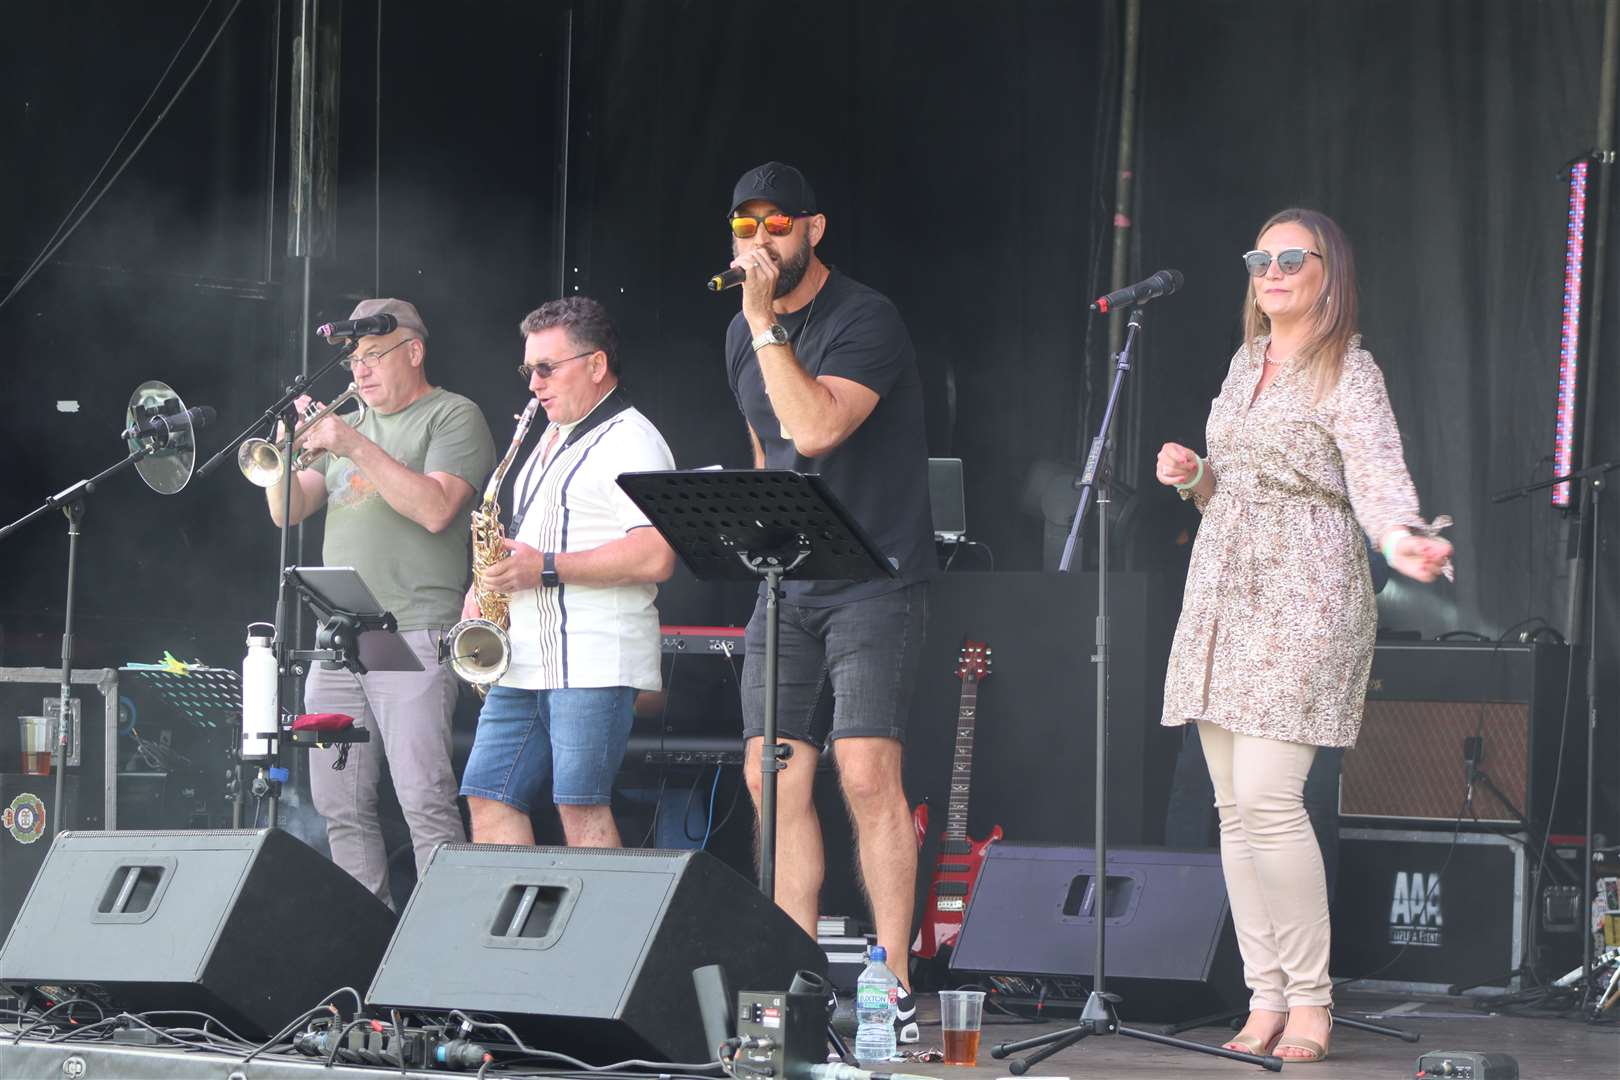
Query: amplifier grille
(1408, 762)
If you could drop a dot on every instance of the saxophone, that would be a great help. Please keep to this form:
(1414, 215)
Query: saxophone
(479, 652)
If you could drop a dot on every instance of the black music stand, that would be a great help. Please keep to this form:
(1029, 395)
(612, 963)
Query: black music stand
(767, 524)
(354, 633)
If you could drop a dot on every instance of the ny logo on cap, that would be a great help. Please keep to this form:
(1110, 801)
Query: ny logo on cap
(767, 177)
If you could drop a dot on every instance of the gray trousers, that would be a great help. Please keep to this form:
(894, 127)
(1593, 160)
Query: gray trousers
(408, 715)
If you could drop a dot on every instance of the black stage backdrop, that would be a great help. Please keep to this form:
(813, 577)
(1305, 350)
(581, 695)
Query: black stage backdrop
(963, 153)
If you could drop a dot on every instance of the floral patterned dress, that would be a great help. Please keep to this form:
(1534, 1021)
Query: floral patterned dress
(1278, 621)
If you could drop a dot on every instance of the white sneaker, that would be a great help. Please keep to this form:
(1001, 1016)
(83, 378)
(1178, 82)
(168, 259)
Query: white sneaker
(905, 1020)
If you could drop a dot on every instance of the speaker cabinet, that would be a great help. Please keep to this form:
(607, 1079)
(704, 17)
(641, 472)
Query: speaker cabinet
(251, 927)
(1172, 952)
(588, 951)
(1422, 916)
(1432, 704)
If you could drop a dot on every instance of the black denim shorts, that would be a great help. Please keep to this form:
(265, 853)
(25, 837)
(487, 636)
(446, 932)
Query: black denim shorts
(867, 651)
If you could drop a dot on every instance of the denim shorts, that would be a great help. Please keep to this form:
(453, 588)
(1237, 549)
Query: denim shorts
(575, 738)
(867, 651)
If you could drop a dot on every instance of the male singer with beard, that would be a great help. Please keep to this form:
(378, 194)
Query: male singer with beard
(823, 370)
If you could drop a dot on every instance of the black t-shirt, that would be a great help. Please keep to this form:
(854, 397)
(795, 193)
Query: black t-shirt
(879, 473)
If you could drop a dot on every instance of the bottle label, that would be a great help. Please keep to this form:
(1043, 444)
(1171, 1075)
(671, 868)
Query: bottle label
(874, 996)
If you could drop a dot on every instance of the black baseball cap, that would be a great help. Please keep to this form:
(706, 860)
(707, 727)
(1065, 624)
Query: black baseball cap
(776, 183)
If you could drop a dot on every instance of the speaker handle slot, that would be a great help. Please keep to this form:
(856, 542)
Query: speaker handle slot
(134, 890)
(532, 910)
(1119, 899)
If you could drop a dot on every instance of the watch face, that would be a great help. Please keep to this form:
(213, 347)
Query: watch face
(779, 334)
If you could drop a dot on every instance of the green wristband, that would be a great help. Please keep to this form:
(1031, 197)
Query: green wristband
(1387, 549)
(1197, 476)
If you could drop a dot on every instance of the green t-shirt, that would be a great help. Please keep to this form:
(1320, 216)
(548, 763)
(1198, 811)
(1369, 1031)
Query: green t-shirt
(419, 576)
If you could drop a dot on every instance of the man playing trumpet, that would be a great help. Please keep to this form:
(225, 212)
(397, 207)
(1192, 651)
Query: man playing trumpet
(397, 480)
(581, 572)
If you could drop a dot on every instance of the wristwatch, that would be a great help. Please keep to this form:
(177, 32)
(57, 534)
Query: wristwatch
(548, 571)
(775, 334)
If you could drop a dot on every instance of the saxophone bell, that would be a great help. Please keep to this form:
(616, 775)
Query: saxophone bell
(478, 652)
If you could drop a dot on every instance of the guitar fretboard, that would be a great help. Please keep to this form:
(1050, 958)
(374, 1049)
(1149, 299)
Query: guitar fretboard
(967, 711)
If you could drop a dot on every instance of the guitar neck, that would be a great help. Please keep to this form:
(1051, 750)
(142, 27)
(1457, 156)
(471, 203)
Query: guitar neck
(967, 712)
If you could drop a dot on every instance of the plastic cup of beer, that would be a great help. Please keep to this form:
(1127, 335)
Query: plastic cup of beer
(35, 734)
(961, 1012)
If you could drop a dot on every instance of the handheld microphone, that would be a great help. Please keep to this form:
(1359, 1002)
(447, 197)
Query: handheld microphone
(162, 427)
(352, 328)
(731, 277)
(1163, 283)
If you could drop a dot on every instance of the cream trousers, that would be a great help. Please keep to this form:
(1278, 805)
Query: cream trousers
(1272, 865)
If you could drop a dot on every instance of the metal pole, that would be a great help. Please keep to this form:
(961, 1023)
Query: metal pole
(1580, 568)
(769, 760)
(562, 155)
(1124, 222)
(267, 271)
(64, 712)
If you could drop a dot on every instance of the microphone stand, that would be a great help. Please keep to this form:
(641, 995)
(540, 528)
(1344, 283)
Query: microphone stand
(1595, 478)
(71, 502)
(267, 784)
(1099, 1016)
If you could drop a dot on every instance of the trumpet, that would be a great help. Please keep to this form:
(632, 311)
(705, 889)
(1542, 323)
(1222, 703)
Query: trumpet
(262, 461)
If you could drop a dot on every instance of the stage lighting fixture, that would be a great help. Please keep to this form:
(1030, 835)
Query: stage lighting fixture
(1570, 338)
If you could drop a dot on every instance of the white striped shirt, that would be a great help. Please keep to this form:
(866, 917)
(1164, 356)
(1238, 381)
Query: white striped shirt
(584, 635)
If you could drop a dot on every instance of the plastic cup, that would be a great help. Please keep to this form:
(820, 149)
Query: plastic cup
(35, 735)
(961, 1012)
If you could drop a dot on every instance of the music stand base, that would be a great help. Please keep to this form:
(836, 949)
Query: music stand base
(1099, 1018)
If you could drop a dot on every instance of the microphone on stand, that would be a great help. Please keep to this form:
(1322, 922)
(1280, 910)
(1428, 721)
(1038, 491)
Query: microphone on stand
(1163, 283)
(369, 326)
(731, 277)
(162, 427)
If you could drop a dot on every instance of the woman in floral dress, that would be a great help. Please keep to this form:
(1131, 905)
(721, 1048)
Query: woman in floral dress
(1275, 641)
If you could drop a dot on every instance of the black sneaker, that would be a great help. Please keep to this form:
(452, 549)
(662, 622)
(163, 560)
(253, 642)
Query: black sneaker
(905, 1020)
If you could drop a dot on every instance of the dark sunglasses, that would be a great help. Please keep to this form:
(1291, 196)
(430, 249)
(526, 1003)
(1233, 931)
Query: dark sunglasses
(545, 367)
(745, 225)
(1289, 261)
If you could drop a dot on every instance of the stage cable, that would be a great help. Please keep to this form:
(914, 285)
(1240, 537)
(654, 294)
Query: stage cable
(70, 223)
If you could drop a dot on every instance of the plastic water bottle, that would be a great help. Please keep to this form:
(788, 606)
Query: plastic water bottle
(877, 995)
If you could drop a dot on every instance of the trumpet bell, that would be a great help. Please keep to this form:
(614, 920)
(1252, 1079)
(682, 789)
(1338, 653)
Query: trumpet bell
(478, 651)
(261, 462)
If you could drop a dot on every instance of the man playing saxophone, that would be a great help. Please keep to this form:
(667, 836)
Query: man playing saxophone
(396, 482)
(581, 573)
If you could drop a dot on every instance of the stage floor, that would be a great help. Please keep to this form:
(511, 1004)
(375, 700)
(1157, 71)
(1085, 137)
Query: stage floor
(1545, 1047)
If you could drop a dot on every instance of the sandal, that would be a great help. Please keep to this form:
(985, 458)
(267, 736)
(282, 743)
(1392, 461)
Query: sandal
(1249, 1044)
(1314, 1051)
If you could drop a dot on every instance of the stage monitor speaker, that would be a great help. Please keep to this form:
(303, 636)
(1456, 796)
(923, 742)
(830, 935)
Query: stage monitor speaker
(1429, 704)
(251, 927)
(1172, 954)
(587, 951)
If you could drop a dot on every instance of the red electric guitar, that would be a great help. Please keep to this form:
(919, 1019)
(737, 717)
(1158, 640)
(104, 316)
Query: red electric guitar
(960, 857)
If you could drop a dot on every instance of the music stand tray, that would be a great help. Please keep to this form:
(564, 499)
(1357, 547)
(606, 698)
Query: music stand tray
(741, 524)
